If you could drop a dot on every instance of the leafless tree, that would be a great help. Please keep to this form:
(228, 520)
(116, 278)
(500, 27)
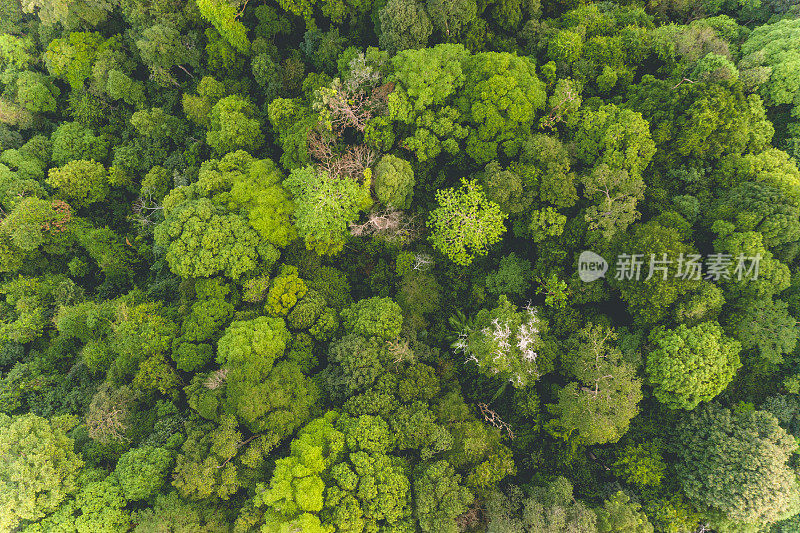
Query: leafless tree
(390, 224)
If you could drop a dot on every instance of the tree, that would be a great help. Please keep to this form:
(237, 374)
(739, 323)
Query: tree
(544, 509)
(701, 120)
(234, 126)
(40, 470)
(650, 294)
(122, 87)
(379, 317)
(296, 486)
(767, 326)
(404, 24)
(548, 161)
(356, 362)
(141, 472)
(85, 182)
(325, 205)
(769, 62)
(764, 208)
(465, 223)
(215, 461)
(691, 365)
(641, 464)
(615, 194)
(268, 395)
(619, 515)
(222, 15)
(451, 18)
(614, 145)
(97, 506)
(170, 513)
(69, 13)
(499, 99)
(507, 342)
(252, 187)
(197, 107)
(163, 46)
(364, 488)
(73, 57)
(427, 82)
(439, 498)
(202, 240)
(36, 93)
(601, 404)
(71, 140)
(735, 464)
(394, 181)
(513, 276)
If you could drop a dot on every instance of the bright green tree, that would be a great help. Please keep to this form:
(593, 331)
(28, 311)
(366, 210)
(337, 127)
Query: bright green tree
(691, 365)
(499, 99)
(40, 470)
(141, 472)
(234, 126)
(223, 15)
(325, 205)
(620, 515)
(465, 223)
(394, 181)
(84, 182)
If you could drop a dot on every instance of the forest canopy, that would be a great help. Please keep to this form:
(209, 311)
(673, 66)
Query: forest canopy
(399, 266)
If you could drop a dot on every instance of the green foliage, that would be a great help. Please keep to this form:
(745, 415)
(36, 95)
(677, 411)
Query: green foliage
(84, 182)
(641, 465)
(440, 498)
(735, 463)
(266, 394)
(379, 317)
(766, 326)
(235, 245)
(394, 182)
(325, 205)
(203, 240)
(499, 99)
(507, 342)
(141, 471)
(198, 107)
(548, 508)
(428, 81)
(601, 404)
(71, 140)
(213, 462)
(284, 291)
(358, 361)
(41, 470)
(465, 223)
(618, 514)
(72, 57)
(251, 187)
(222, 15)
(170, 513)
(691, 365)
(769, 62)
(234, 126)
(404, 24)
(511, 277)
